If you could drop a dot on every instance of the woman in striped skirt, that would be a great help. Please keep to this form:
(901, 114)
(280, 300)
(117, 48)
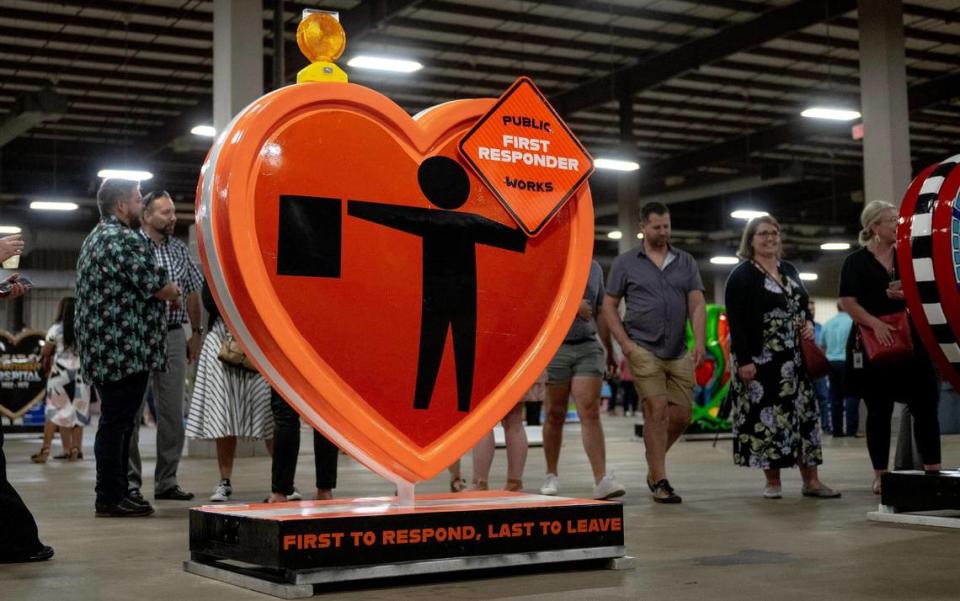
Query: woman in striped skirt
(228, 402)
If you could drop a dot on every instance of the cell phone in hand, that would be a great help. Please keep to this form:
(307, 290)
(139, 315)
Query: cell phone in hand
(895, 285)
(7, 285)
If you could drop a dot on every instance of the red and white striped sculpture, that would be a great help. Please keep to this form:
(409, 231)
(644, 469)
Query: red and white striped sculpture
(928, 254)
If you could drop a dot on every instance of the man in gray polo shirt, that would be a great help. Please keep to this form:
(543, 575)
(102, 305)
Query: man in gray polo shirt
(662, 287)
(578, 369)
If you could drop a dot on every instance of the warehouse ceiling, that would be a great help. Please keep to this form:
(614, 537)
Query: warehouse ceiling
(705, 95)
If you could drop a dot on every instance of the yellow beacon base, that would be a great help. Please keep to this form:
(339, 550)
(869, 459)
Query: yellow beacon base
(321, 71)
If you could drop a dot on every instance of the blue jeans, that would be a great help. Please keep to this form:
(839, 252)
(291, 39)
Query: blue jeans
(841, 404)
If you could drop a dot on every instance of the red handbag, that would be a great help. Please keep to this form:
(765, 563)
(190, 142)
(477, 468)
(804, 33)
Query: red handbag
(900, 350)
(814, 359)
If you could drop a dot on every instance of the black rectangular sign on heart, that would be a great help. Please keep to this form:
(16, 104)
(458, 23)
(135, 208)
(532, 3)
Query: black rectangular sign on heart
(310, 237)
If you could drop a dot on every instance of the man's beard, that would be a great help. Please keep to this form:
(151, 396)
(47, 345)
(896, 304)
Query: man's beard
(134, 220)
(658, 242)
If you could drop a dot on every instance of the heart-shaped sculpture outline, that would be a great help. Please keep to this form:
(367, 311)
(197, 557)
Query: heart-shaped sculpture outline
(15, 341)
(227, 239)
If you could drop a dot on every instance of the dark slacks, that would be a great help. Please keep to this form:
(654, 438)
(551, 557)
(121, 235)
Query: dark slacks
(631, 399)
(286, 450)
(18, 530)
(914, 383)
(119, 403)
(533, 409)
(841, 404)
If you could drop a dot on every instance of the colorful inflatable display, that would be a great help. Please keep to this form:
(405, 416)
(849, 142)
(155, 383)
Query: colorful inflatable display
(713, 377)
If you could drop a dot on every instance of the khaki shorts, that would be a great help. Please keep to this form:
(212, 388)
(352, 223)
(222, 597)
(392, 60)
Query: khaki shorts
(654, 377)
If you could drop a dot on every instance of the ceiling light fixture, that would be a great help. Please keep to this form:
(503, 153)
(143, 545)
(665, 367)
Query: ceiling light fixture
(640, 236)
(615, 235)
(723, 260)
(748, 214)
(130, 174)
(830, 113)
(616, 164)
(808, 276)
(207, 131)
(10, 229)
(378, 63)
(835, 246)
(49, 205)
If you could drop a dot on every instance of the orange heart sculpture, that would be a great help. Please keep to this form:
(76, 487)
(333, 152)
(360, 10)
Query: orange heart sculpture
(374, 280)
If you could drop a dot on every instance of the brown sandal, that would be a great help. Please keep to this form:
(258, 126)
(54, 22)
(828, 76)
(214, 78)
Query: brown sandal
(513, 485)
(479, 485)
(42, 456)
(75, 454)
(458, 485)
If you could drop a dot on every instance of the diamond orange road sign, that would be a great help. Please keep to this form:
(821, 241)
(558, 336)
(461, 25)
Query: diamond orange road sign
(527, 156)
(374, 280)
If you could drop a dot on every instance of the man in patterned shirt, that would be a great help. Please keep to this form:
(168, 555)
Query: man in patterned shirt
(159, 221)
(121, 333)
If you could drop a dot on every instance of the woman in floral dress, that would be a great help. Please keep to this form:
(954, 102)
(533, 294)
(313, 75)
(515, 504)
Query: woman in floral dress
(775, 415)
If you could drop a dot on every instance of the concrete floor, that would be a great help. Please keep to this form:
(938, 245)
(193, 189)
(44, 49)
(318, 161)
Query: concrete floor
(723, 542)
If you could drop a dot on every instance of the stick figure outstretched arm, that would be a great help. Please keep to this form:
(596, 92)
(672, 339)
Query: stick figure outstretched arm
(413, 220)
(491, 233)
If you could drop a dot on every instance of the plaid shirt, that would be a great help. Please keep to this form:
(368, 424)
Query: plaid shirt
(173, 255)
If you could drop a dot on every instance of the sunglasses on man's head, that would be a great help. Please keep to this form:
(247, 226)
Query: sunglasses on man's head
(149, 198)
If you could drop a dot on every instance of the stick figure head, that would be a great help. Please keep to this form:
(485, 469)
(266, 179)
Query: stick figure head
(444, 182)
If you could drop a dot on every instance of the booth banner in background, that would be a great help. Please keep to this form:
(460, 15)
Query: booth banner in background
(382, 271)
(22, 381)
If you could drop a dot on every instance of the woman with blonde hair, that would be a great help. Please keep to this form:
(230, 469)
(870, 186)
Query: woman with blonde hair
(870, 289)
(775, 414)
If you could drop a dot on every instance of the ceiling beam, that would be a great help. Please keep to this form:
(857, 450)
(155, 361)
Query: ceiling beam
(121, 25)
(734, 39)
(622, 10)
(794, 130)
(128, 46)
(936, 14)
(120, 64)
(574, 25)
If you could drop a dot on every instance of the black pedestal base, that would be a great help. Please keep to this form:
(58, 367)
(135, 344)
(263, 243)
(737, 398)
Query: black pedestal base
(285, 549)
(920, 499)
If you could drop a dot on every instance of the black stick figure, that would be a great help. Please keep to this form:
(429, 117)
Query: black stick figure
(449, 269)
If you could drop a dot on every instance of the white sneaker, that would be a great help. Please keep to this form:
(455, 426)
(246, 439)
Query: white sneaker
(222, 492)
(295, 495)
(772, 492)
(551, 485)
(608, 488)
